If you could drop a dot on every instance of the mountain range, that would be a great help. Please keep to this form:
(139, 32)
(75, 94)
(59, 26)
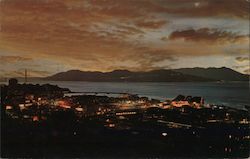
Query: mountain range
(162, 75)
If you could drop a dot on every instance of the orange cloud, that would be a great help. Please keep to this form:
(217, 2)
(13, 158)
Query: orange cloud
(151, 24)
(206, 8)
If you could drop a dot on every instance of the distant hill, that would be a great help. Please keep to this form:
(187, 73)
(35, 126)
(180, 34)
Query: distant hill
(175, 75)
(125, 76)
(223, 73)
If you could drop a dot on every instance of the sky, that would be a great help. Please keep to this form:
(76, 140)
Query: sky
(50, 36)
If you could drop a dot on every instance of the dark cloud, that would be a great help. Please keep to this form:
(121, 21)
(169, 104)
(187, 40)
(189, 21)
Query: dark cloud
(164, 38)
(38, 73)
(247, 71)
(147, 58)
(244, 66)
(13, 59)
(242, 59)
(206, 35)
(31, 73)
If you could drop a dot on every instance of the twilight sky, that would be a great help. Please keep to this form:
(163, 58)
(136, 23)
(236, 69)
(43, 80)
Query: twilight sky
(49, 36)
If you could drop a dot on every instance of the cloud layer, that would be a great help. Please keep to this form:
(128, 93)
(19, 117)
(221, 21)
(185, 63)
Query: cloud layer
(55, 35)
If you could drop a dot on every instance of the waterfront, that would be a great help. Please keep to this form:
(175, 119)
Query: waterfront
(233, 94)
(40, 121)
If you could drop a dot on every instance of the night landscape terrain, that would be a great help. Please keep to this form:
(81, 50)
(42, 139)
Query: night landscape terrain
(124, 78)
(43, 121)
